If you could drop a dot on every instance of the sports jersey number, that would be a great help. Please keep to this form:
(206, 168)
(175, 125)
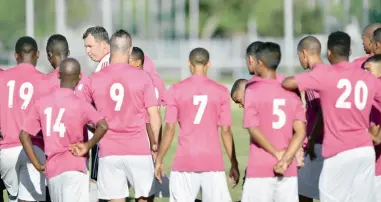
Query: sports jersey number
(58, 126)
(200, 100)
(25, 93)
(360, 88)
(117, 95)
(277, 111)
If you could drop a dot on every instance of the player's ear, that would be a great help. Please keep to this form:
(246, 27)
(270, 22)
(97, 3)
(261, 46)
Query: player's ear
(304, 53)
(80, 77)
(329, 53)
(38, 54)
(378, 44)
(130, 51)
(68, 53)
(16, 56)
(251, 60)
(208, 64)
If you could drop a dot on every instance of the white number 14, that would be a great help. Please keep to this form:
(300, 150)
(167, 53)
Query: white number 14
(58, 126)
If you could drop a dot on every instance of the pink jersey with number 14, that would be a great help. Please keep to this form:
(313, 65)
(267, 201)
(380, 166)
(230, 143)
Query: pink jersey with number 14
(346, 97)
(61, 116)
(200, 105)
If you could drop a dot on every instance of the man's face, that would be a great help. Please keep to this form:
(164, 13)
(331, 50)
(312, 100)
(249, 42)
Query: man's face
(94, 48)
(374, 68)
(250, 61)
(135, 63)
(303, 59)
(367, 44)
(238, 96)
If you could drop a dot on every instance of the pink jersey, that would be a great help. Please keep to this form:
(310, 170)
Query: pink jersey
(19, 86)
(200, 105)
(61, 116)
(55, 82)
(122, 94)
(346, 97)
(279, 77)
(149, 67)
(262, 97)
(361, 60)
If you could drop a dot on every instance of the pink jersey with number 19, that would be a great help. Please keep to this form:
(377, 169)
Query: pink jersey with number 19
(273, 110)
(61, 116)
(19, 85)
(200, 105)
(346, 97)
(122, 94)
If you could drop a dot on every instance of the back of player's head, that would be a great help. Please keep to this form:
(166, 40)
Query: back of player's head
(310, 44)
(269, 54)
(121, 41)
(253, 48)
(26, 50)
(98, 32)
(377, 35)
(69, 73)
(199, 56)
(237, 85)
(57, 45)
(375, 58)
(137, 54)
(373, 65)
(369, 29)
(339, 43)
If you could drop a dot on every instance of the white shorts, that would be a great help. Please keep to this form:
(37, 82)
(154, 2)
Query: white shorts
(349, 176)
(272, 189)
(115, 172)
(378, 188)
(308, 176)
(69, 186)
(20, 177)
(184, 186)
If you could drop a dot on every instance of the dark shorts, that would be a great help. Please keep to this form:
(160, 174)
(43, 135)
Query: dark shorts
(94, 162)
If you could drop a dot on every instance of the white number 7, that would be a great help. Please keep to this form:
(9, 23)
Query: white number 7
(202, 101)
(58, 126)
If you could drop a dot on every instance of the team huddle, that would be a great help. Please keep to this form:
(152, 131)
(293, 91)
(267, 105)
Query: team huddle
(50, 123)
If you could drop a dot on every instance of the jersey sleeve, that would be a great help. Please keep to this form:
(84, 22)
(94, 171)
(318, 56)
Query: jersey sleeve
(149, 94)
(32, 123)
(84, 90)
(313, 80)
(251, 112)
(172, 110)
(92, 115)
(225, 118)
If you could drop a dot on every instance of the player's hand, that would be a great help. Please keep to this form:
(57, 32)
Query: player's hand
(300, 158)
(234, 175)
(279, 154)
(281, 167)
(40, 168)
(311, 150)
(159, 171)
(79, 149)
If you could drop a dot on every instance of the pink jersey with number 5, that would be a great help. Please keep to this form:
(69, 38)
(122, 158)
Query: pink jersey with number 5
(122, 94)
(346, 95)
(273, 110)
(200, 105)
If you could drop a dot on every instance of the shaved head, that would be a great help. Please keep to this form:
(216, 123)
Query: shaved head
(367, 36)
(199, 56)
(120, 46)
(310, 44)
(368, 30)
(69, 73)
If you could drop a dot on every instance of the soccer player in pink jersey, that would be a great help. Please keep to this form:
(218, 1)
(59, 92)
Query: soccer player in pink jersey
(61, 116)
(273, 145)
(19, 85)
(200, 106)
(309, 51)
(124, 94)
(367, 36)
(347, 94)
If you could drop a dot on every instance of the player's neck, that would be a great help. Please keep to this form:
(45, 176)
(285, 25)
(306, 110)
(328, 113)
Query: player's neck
(269, 75)
(117, 58)
(25, 62)
(315, 61)
(66, 85)
(339, 60)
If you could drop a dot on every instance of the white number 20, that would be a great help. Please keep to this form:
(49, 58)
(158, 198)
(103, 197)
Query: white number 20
(117, 95)
(360, 88)
(277, 103)
(200, 100)
(57, 126)
(25, 93)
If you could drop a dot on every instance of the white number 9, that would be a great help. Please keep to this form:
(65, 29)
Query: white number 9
(117, 95)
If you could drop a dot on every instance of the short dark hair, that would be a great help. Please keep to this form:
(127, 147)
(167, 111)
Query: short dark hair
(310, 43)
(199, 56)
(270, 55)
(26, 45)
(253, 48)
(57, 43)
(98, 32)
(236, 86)
(138, 54)
(339, 43)
(121, 40)
(377, 34)
(374, 58)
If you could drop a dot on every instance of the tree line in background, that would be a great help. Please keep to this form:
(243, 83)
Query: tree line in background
(216, 19)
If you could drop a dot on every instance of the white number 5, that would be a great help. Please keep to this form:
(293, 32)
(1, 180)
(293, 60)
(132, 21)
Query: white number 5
(277, 103)
(117, 95)
(202, 101)
(360, 88)
(58, 126)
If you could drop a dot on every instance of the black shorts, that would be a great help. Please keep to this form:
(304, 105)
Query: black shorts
(94, 162)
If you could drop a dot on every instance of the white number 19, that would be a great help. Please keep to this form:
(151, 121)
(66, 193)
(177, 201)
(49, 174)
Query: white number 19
(200, 100)
(25, 93)
(117, 95)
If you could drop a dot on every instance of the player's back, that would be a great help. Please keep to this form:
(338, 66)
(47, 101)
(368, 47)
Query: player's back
(19, 86)
(202, 106)
(122, 94)
(273, 110)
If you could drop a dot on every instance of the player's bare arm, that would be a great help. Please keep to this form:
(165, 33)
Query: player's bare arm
(28, 148)
(375, 133)
(290, 83)
(263, 142)
(155, 122)
(169, 133)
(294, 145)
(228, 141)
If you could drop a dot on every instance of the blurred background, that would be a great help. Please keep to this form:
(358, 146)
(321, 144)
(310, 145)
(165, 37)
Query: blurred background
(167, 30)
